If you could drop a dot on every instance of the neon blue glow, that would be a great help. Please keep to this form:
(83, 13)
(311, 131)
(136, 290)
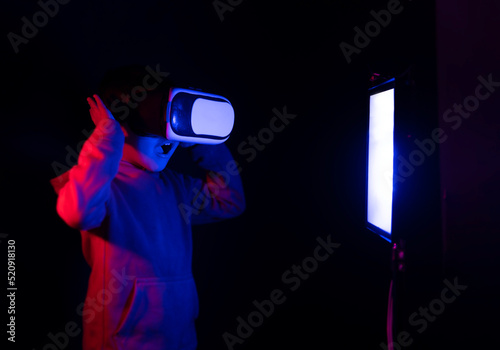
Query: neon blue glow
(381, 160)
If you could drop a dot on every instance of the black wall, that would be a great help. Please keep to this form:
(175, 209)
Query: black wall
(467, 54)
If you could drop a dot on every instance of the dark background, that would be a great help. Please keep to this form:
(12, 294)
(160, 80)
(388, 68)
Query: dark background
(308, 182)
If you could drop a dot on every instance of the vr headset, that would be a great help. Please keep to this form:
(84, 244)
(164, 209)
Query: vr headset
(186, 115)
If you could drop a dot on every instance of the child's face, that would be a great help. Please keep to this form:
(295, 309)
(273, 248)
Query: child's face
(149, 152)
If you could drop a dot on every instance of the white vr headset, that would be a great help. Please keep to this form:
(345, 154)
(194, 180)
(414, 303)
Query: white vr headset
(198, 117)
(185, 115)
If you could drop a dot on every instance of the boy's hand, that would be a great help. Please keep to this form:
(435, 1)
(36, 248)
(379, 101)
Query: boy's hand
(98, 111)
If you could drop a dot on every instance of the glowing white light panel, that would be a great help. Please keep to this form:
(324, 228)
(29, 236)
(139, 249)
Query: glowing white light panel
(380, 160)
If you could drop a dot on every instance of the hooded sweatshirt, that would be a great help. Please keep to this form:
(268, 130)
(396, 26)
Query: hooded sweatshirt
(136, 236)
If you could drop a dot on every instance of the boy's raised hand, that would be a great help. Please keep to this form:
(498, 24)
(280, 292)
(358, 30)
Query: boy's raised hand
(98, 111)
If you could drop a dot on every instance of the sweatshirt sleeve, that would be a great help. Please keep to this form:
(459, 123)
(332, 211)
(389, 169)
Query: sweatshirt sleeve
(84, 189)
(219, 193)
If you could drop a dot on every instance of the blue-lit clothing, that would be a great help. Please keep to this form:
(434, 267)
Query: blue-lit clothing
(136, 236)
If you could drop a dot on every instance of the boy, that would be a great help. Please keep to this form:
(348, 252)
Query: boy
(135, 235)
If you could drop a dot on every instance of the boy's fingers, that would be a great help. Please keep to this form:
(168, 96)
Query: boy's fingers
(93, 110)
(93, 116)
(101, 106)
(99, 102)
(91, 102)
